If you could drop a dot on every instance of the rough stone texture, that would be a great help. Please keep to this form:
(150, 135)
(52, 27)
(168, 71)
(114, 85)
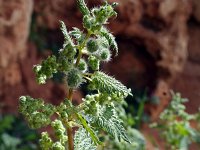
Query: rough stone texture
(188, 82)
(15, 17)
(196, 9)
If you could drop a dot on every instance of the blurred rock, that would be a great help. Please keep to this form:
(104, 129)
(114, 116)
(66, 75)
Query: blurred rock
(188, 82)
(196, 9)
(15, 18)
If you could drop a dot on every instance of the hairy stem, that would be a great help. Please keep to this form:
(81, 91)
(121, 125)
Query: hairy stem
(70, 138)
(81, 48)
(69, 129)
(70, 95)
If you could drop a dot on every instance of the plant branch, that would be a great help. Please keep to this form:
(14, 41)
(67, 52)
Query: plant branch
(70, 95)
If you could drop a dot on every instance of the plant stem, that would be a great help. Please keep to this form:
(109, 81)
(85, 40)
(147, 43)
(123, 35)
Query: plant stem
(70, 96)
(70, 138)
(69, 129)
(81, 48)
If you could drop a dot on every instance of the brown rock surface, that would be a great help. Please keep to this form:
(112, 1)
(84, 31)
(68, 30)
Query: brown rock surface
(196, 9)
(188, 82)
(15, 17)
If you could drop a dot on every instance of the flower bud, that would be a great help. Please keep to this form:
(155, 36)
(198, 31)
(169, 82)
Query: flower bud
(105, 54)
(88, 21)
(74, 78)
(58, 146)
(82, 66)
(93, 63)
(92, 45)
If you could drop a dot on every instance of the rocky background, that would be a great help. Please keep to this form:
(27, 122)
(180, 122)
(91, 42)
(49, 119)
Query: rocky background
(159, 44)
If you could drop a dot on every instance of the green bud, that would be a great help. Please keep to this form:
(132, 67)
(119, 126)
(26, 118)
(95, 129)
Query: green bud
(82, 66)
(74, 78)
(69, 51)
(58, 146)
(105, 54)
(45, 141)
(37, 68)
(41, 79)
(22, 100)
(115, 4)
(93, 63)
(64, 64)
(92, 45)
(59, 133)
(88, 22)
(46, 69)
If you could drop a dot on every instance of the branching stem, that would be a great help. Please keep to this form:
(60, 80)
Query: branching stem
(70, 94)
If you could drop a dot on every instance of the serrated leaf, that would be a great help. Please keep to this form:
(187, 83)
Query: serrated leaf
(89, 130)
(68, 40)
(77, 34)
(83, 141)
(83, 7)
(107, 84)
(109, 122)
(111, 39)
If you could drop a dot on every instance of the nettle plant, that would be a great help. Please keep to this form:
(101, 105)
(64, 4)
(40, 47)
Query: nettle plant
(79, 61)
(175, 125)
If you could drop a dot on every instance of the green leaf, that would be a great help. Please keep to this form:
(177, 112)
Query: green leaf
(77, 34)
(83, 141)
(83, 7)
(68, 39)
(107, 84)
(111, 39)
(89, 129)
(109, 122)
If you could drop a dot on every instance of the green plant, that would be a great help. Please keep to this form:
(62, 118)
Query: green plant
(175, 125)
(79, 61)
(15, 134)
(137, 139)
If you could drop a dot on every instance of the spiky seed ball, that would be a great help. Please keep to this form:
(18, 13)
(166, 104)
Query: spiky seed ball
(93, 63)
(74, 78)
(82, 66)
(105, 54)
(92, 45)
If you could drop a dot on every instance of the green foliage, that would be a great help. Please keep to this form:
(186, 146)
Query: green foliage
(82, 7)
(92, 45)
(15, 135)
(83, 141)
(35, 111)
(98, 112)
(74, 78)
(107, 84)
(93, 63)
(45, 141)
(174, 125)
(46, 69)
(135, 137)
(110, 38)
(109, 122)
